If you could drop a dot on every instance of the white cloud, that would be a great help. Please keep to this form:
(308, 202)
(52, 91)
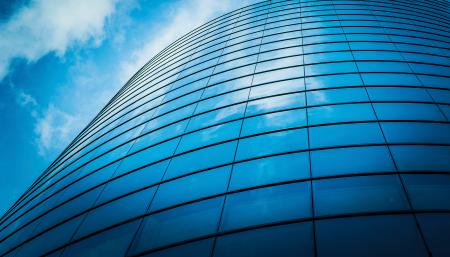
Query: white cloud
(55, 128)
(46, 26)
(24, 99)
(181, 18)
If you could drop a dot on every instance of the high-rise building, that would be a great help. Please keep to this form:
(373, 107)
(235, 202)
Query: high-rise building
(284, 128)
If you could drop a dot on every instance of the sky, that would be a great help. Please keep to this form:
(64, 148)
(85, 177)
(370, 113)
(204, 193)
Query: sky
(62, 60)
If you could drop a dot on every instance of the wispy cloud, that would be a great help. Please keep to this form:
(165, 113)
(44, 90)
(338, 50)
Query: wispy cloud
(46, 26)
(54, 128)
(181, 17)
(24, 99)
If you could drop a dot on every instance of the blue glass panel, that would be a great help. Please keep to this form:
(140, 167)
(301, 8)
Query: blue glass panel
(358, 195)
(333, 96)
(270, 170)
(371, 236)
(386, 79)
(210, 156)
(345, 134)
(276, 75)
(148, 156)
(122, 209)
(69, 209)
(375, 55)
(227, 86)
(328, 57)
(330, 68)
(133, 181)
(340, 113)
(168, 118)
(428, 191)
(159, 135)
(210, 135)
(435, 81)
(279, 87)
(288, 240)
(279, 63)
(113, 242)
(330, 81)
(440, 96)
(217, 116)
(50, 240)
(422, 158)
(408, 111)
(351, 160)
(383, 66)
(232, 73)
(266, 205)
(435, 228)
(182, 223)
(412, 132)
(446, 110)
(222, 100)
(191, 187)
(398, 94)
(332, 46)
(285, 141)
(275, 103)
(274, 121)
(201, 248)
(232, 64)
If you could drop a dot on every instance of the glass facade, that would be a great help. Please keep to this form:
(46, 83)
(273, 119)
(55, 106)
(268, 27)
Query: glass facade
(283, 128)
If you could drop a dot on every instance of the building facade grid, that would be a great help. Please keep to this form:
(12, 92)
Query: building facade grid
(292, 122)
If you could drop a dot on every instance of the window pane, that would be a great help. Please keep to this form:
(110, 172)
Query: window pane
(288, 240)
(210, 156)
(275, 103)
(428, 191)
(342, 80)
(279, 63)
(266, 205)
(398, 94)
(201, 248)
(50, 240)
(191, 187)
(358, 194)
(330, 68)
(280, 87)
(148, 156)
(369, 236)
(272, 143)
(222, 100)
(217, 116)
(112, 242)
(274, 121)
(435, 228)
(408, 111)
(210, 135)
(333, 96)
(182, 223)
(345, 134)
(340, 113)
(270, 170)
(351, 160)
(281, 74)
(414, 132)
(124, 208)
(386, 79)
(422, 158)
(133, 181)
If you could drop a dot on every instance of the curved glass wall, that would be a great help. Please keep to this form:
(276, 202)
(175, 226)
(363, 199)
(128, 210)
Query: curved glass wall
(284, 128)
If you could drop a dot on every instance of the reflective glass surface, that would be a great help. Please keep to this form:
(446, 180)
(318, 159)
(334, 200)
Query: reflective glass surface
(283, 128)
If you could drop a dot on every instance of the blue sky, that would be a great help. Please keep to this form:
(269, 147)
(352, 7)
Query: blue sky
(61, 61)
